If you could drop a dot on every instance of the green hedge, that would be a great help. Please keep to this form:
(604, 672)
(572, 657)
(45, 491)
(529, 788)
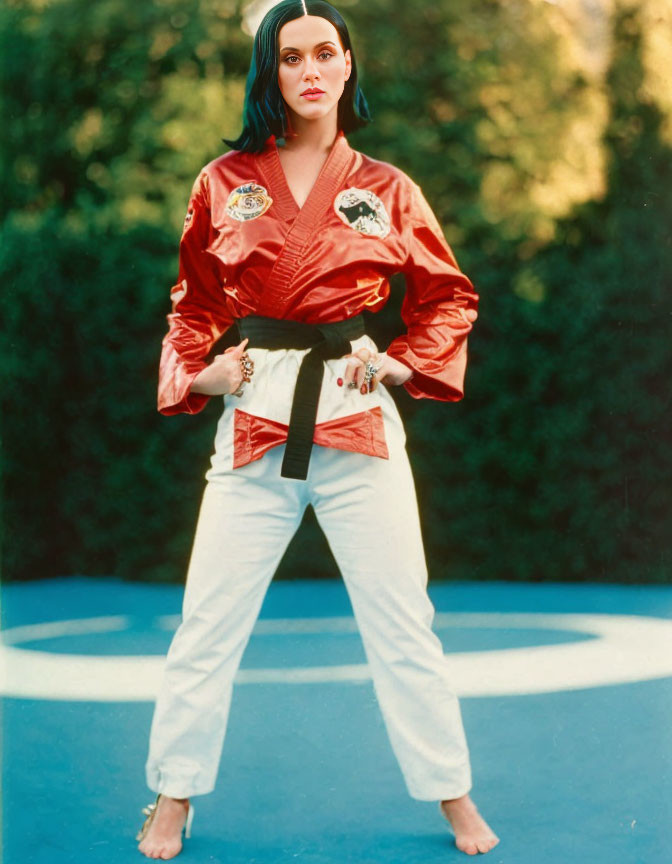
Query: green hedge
(556, 466)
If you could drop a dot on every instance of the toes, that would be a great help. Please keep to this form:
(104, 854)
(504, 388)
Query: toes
(487, 844)
(162, 851)
(474, 846)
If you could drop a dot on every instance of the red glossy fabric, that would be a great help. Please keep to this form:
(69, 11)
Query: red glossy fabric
(360, 433)
(311, 264)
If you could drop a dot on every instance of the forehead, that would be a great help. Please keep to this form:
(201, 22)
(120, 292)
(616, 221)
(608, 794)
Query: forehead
(305, 32)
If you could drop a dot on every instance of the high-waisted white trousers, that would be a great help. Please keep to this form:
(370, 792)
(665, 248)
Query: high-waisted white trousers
(367, 509)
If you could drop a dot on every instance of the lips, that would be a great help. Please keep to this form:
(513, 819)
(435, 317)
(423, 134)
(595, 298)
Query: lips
(312, 91)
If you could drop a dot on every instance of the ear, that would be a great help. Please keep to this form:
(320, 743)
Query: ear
(348, 64)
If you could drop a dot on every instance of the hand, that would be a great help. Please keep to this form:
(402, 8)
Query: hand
(224, 375)
(390, 371)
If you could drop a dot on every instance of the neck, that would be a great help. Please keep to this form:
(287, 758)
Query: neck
(313, 134)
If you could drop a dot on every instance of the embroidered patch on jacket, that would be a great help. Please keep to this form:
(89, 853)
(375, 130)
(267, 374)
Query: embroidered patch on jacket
(363, 211)
(248, 201)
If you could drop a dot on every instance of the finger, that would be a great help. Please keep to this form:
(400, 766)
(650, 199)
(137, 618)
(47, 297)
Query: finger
(238, 349)
(379, 362)
(349, 374)
(361, 354)
(227, 356)
(359, 374)
(350, 377)
(369, 386)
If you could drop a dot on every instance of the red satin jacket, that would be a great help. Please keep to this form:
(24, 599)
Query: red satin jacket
(247, 248)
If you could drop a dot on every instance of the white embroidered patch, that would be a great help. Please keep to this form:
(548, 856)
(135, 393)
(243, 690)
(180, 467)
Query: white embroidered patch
(248, 201)
(362, 210)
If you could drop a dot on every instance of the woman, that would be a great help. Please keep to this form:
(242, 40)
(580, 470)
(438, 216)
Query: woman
(291, 235)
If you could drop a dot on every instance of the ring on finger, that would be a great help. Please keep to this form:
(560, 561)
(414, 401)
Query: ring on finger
(370, 371)
(246, 367)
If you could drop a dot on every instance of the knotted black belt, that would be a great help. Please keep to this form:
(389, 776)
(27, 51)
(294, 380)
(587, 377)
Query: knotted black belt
(326, 342)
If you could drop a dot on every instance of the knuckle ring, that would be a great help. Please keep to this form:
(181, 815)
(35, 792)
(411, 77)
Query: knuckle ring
(370, 371)
(246, 367)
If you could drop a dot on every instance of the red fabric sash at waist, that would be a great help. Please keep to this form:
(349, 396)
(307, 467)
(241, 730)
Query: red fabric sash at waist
(363, 432)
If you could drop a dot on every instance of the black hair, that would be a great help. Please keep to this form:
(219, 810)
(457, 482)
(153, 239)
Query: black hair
(265, 112)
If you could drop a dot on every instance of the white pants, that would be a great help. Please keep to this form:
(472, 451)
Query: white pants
(367, 508)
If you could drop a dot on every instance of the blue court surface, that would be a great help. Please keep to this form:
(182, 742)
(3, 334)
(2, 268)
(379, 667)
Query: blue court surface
(566, 695)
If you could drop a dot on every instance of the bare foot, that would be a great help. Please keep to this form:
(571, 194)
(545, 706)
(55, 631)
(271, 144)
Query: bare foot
(164, 835)
(472, 832)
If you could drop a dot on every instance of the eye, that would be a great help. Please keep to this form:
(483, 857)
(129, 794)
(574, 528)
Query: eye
(290, 57)
(326, 54)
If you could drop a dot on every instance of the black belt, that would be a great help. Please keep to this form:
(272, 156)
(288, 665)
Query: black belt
(326, 341)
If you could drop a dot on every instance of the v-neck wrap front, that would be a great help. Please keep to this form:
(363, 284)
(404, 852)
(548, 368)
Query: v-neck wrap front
(248, 249)
(302, 221)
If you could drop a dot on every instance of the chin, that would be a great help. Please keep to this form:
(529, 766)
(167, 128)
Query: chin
(312, 115)
(313, 112)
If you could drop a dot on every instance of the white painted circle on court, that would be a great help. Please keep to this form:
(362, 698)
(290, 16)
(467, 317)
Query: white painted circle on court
(627, 648)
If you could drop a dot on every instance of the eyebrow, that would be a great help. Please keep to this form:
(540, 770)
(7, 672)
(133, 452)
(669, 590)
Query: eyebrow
(319, 45)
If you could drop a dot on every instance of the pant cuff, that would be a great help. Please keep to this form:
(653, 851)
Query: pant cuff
(174, 786)
(441, 790)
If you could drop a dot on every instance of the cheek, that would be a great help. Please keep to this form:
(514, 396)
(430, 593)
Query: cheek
(337, 71)
(284, 78)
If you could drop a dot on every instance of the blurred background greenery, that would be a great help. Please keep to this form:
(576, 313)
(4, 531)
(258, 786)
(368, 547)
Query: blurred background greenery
(541, 133)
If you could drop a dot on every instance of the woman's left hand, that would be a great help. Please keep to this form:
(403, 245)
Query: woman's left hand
(389, 371)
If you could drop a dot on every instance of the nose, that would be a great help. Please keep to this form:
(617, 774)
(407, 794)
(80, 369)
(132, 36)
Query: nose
(310, 70)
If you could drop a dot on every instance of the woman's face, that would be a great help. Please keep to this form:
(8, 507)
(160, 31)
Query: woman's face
(311, 58)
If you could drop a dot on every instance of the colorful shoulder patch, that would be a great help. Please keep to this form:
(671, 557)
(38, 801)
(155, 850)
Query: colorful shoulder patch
(248, 201)
(362, 210)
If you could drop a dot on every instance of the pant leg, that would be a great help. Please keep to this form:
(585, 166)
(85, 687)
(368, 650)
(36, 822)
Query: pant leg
(368, 511)
(246, 521)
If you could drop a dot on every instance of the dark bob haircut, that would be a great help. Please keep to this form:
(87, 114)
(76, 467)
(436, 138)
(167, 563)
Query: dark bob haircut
(265, 112)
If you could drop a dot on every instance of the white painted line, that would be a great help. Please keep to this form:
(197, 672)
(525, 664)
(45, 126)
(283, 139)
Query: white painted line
(627, 648)
(69, 627)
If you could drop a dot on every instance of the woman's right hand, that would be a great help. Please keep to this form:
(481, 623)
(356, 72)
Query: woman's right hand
(224, 375)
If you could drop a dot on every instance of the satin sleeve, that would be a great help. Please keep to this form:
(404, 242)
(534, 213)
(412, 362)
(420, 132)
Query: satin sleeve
(439, 308)
(199, 315)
